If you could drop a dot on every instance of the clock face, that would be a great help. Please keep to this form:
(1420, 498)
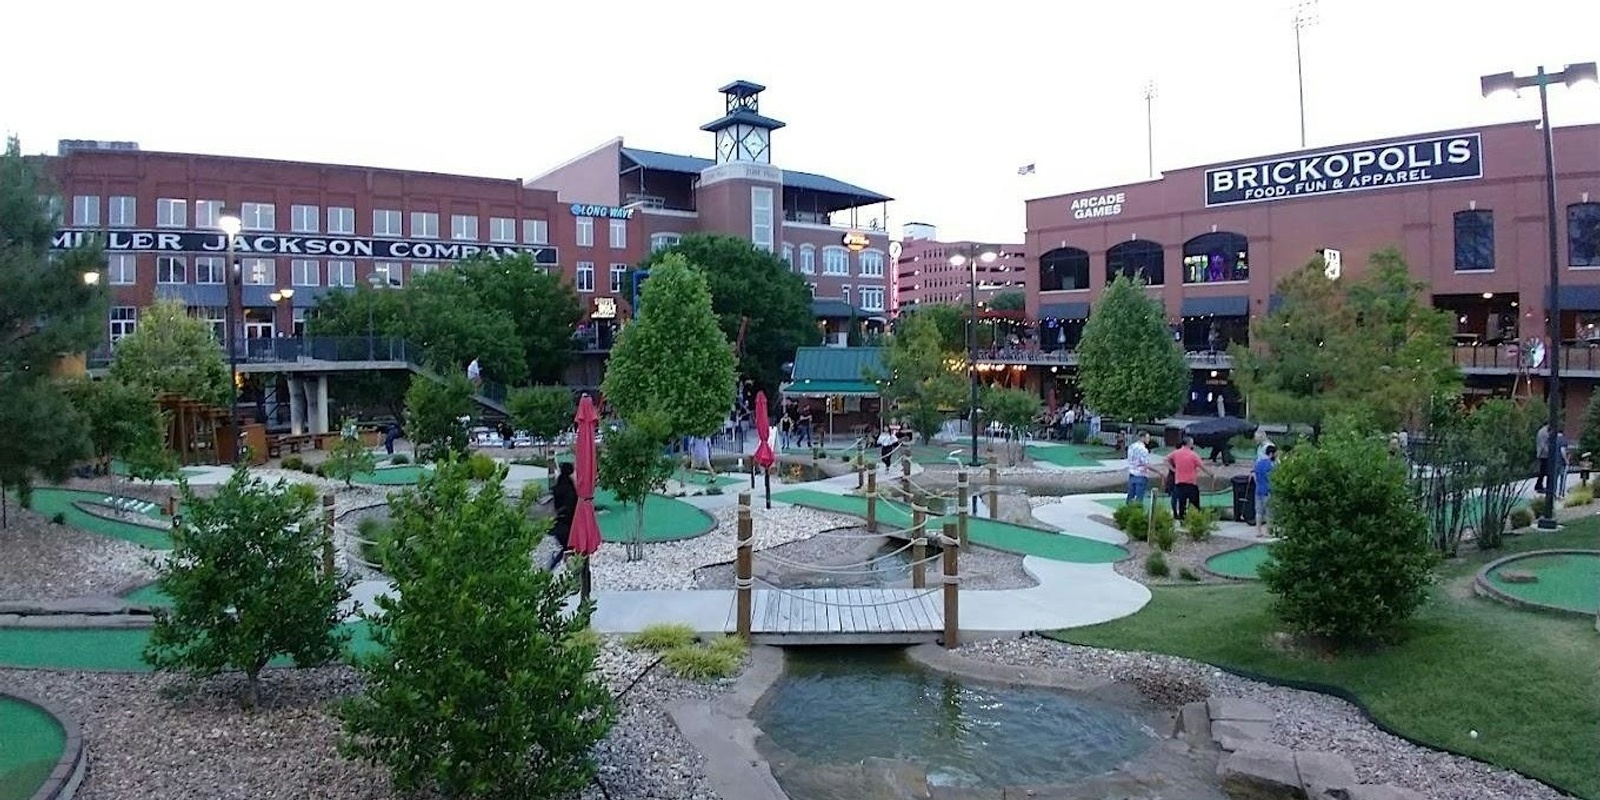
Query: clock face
(725, 144)
(755, 144)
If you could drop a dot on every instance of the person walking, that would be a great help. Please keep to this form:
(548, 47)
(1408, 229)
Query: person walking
(564, 500)
(1542, 447)
(887, 444)
(1139, 468)
(390, 435)
(1186, 468)
(475, 373)
(1263, 481)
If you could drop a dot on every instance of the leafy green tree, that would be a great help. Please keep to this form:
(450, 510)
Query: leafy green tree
(46, 309)
(1009, 301)
(123, 419)
(950, 321)
(348, 457)
(633, 463)
(543, 307)
(434, 408)
(247, 584)
(1502, 447)
(754, 290)
(173, 352)
(672, 359)
(1352, 560)
(1589, 437)
(1128, 365)
(1015, 410)
(920, 384)
(543, 411)
(483, 685)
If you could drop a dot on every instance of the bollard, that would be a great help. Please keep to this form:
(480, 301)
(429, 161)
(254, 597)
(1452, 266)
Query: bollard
(919, 551)
(872, 502)
(952, 604)
(327, 538)
(994, 489)
(743, 582)
(963, 504)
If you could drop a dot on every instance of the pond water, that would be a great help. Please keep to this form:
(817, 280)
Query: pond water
(835, 709)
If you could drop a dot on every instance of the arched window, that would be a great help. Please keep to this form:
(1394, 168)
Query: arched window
(1137, 259)
(1216, 257)
(788, 255)
(1064, 268)
(808, 259)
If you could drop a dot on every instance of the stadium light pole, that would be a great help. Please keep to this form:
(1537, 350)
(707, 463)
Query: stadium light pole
(958, 261)
(1501, 83)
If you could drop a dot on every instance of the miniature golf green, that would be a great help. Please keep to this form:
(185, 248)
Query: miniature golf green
(987, 532)
(121, 469)
(1569, 581)
(52, 501)
(1243, 564)
(149, 594)
(34, 743)
(1072, 455)
(110, 649)
(696, 478)
(665, 519)
(391, 476)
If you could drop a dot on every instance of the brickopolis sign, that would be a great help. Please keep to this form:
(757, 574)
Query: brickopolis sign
(1433, 160)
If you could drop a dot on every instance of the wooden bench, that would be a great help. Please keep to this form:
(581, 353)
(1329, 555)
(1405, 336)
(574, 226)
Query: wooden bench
(293, 442)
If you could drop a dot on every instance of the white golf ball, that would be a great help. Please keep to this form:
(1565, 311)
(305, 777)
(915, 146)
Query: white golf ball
(1473, 734)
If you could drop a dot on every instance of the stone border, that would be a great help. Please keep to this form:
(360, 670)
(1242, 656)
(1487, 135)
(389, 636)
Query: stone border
(1487, 589)
(64, 780)
(725, 734)
(102, 511)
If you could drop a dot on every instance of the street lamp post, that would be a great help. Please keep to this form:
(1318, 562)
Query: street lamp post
(958, 260)
(1573, 75)
(230, 225)
(283, 296)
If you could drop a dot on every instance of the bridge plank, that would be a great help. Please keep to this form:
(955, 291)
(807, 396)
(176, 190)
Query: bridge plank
(822, 616)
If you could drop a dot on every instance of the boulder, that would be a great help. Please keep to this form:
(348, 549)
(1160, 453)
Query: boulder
(1194, 723)
(1261, 772)
(1324, 775)
(1236, 708)
(1383, 791)
(1232, 735)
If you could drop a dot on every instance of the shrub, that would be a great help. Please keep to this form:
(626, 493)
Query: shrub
(295, 463)
(1353, 558)
(304, 493)
(1537, 507)
(1199, 523)
(481, 467)
(375, 535)
(1164, 533)
(1521, 517)
(59, 518)
(662, 636)
(702, 662)
(1133, 520)
(1184, 573)
(1581, 496)
(400, 459)
(1155, 565)
(586, 638)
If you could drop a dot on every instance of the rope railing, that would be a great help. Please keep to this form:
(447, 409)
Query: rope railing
(864, 567)
(894, 601)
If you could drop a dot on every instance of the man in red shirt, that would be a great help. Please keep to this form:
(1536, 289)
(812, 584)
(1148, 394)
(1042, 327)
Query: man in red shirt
(1186, 468)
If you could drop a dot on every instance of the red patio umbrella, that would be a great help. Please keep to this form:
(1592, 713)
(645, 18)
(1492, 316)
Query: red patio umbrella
(764, 455)
(585, 537)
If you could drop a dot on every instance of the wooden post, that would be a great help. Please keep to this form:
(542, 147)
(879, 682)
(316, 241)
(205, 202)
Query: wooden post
(963, 505)
(872, 502)
(952, 603)
(327, 538)
(994, 489)
(919, 551)
(861, 471)
(172, 505)
(905, 472)
(743, 582)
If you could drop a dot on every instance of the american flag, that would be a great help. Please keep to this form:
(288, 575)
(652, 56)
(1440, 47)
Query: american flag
(1027, 169)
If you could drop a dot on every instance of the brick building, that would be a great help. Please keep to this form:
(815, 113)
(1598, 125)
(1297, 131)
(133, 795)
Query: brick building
(924, 273)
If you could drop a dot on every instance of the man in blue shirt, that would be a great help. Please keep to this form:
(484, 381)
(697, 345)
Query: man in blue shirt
(1263, 480)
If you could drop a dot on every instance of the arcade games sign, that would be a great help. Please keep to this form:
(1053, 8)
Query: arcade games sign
(1432, 160)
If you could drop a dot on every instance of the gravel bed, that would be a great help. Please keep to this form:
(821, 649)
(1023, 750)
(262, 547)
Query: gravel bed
(1185, 554)
(46, 561)
(1305, 720)
(982, 569)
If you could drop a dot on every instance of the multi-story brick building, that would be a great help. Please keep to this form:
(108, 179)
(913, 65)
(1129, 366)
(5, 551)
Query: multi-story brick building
(925, 274)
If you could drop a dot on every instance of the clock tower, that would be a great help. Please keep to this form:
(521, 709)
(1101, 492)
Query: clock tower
(742, 134)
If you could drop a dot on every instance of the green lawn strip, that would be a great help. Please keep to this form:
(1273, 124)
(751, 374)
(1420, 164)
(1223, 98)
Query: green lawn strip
(121, 469)
(665, 519)
(405, 475)
(34, 742)
(111, 649)
(1525, 681)
(51, 501)
(1244, 563)
(989, 533)
(1567, 580)
(693, 478)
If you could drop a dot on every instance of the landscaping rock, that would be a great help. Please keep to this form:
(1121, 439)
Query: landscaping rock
(1382, 791)
(1194, 723)
(1261, 772)
(1323, 774)
(71, 605)
(1231, 735)
(1517, 576)
(1234, 708)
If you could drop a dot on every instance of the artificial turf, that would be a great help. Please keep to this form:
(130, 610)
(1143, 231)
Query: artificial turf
(51, 501)
(1244, 563)
(34, 741)
(107, 649)
(1569, 581)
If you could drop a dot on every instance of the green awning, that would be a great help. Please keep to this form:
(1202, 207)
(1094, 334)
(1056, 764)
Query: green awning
(824, 387)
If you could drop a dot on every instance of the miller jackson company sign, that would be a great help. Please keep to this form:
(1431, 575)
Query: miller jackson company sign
(135, 240)
(1432, 160)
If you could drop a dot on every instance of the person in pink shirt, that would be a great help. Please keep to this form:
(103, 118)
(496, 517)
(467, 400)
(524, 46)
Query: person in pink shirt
(1186, 468)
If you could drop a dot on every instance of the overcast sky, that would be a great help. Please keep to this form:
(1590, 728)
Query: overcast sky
(935, 103)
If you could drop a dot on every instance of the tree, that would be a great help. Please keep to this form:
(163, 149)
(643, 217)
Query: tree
(172, 352)
(1015, 410)
(920, 384)
(543, 411)
(1352, 560)
(434, 408)
(543, 307)
(1589, 437)
(349, 457)
(950, 321)
(633, 463)
(672, 359)
(123, 419)
(482, 685)
(752, 291)
(247, 584)
(47, 309)
(1128, 365)
(1009, 301)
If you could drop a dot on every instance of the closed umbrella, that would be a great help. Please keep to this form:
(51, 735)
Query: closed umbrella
(764, 455)
(585, 537)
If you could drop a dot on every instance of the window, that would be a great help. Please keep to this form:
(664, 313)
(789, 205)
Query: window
(585, 273)
(124, 319)
(618, 230)
(258, 216)
(1583, 234)
(305, 272)
(502, 229)
(808, 259)
(388, 272)
(52, 207)
(259, 271)
(1064, 268)
(172, 213)
(208, 269)
(871, 264)
(1139, 259)
(297, 317)
(761, 217)
(871, 298)
(386, 222)
(304, 219)
(122, 212)
(86, 210)
(662, 241)
(424, 225)
(464, 227)
(171, 269)
(1216, 258)
(585, 231)
(788, 255)
(342, 273)
(535, 231)
(217, 316)
(121, 269)
(835, 261)
(341, 219)
(419, 268)
(619, 277)
(844, 293)
(1474, 240)
(206, 213)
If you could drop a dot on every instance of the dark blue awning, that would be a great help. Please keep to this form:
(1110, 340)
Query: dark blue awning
(1064, 311)
(1576, 298)
(1235, 306)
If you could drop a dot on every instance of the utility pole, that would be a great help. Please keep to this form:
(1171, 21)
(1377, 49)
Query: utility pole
(1305, 16)
(1150, 124)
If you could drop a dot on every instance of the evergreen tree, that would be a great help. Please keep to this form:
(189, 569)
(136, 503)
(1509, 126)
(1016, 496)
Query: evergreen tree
(1128, 365)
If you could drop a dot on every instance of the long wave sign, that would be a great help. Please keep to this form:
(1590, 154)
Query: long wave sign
(1438, 159)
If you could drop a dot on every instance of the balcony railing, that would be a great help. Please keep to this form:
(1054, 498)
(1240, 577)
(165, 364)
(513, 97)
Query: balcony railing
(1484, 358)
(1198, 359)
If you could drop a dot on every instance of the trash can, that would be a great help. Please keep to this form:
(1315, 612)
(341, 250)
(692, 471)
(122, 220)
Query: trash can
(1172, 436)
(1244, 499)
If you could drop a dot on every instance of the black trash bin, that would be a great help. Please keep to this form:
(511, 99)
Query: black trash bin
(1244, 499)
